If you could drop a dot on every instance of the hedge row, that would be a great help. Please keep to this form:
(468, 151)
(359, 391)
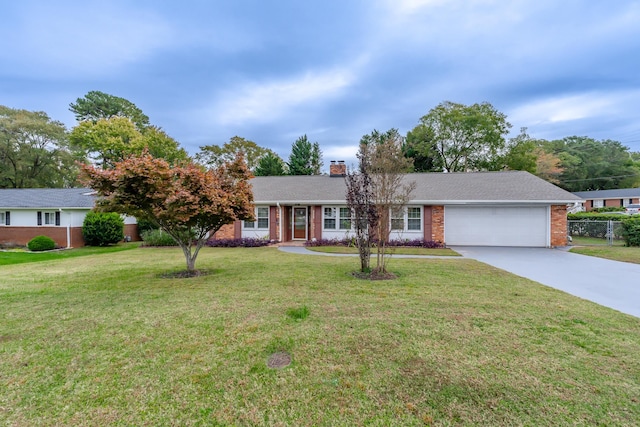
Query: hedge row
(415, 243)
(631, 231)
(245, 242)
(594, 216)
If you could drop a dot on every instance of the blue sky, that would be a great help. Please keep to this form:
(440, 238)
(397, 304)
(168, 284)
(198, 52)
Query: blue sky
(271, 71)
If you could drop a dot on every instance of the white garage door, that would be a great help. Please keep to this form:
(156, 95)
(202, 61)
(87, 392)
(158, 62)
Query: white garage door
(496, 226)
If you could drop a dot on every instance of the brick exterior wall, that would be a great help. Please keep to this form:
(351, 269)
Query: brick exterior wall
(588, 204)
(316, 222)
(273, 223)
(437, 223)
(22, 235)
(558, 225)
(131, 230)
(225, 232)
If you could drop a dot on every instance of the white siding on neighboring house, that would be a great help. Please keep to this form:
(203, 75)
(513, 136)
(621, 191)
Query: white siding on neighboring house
(29, 217)
(127, 220)
(24, 218)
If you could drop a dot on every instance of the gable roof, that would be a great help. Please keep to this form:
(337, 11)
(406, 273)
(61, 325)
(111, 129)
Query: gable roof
(47, 198)
(431, 188)
(620, 193)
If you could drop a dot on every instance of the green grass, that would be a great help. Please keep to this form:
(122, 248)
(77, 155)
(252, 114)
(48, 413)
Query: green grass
(21, 257)
(616, 253)
(102, 340)
(392, 251)
(579, 240)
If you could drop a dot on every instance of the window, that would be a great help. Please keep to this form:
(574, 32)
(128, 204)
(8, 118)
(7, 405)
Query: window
(4, 218)
(336, 218)
(329, 218)
(262, 219)
(598, 204)
(397, 219)
(345, 219)
(411, 216)
(413, 219)
(48, 218)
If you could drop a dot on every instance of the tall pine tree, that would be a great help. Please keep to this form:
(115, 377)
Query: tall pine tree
(305, 158)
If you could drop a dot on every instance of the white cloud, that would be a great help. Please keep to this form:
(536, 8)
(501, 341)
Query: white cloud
(573, 107)
(410, 6)
(268, 101)
(339, 152)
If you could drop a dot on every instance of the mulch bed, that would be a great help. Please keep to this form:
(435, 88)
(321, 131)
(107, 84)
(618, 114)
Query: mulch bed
(185, 274)
(374, 275)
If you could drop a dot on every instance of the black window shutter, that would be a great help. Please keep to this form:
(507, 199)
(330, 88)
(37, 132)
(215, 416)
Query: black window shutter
(39, 218)
(7, 218)
(57, 218)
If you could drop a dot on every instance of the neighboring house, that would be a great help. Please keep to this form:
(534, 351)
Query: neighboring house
(622, 197)
(483, 208)
(54, 212)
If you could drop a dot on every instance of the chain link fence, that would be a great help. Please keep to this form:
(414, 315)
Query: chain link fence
(585, 232)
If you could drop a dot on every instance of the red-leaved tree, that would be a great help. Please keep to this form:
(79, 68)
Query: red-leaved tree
(185, 201)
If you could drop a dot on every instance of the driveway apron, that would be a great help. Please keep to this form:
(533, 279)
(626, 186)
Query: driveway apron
(613, 284)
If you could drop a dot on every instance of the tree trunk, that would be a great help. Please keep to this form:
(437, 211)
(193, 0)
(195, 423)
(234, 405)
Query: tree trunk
(191, 260)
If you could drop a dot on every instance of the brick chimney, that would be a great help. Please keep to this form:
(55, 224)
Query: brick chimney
(337, 168)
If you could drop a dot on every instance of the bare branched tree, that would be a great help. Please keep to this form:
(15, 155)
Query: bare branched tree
(388, 168)
(360, 201)
(377, 190)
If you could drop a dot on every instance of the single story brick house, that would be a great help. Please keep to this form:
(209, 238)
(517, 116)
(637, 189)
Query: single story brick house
(54, 212)
(621, 197)
(511, 208)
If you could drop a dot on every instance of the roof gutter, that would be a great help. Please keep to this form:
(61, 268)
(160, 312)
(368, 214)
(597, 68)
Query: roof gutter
(424, 202)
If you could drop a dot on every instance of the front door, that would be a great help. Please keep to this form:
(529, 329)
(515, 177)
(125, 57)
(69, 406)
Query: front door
(300, 223)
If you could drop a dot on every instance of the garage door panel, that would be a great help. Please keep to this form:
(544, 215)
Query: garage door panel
(496, 226)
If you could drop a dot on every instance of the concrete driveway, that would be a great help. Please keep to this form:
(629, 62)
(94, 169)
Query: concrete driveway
(610, 283)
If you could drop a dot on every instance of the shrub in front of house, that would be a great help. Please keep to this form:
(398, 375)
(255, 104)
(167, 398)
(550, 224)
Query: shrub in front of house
(595, 216)
(330, 242)
(413, 243)
(157, 237)
(631, 231)
(245, 242)
(609, 209)
(102, 228)
(41, 243)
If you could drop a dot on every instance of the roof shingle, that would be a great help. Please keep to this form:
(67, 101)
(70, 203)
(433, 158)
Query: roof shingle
(474, 187)
(47, 198)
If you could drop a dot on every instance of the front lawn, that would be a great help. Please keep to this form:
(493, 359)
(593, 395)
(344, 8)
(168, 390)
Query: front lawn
(392, 251)
(616, 253)
(21, 257)
(102, 340)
